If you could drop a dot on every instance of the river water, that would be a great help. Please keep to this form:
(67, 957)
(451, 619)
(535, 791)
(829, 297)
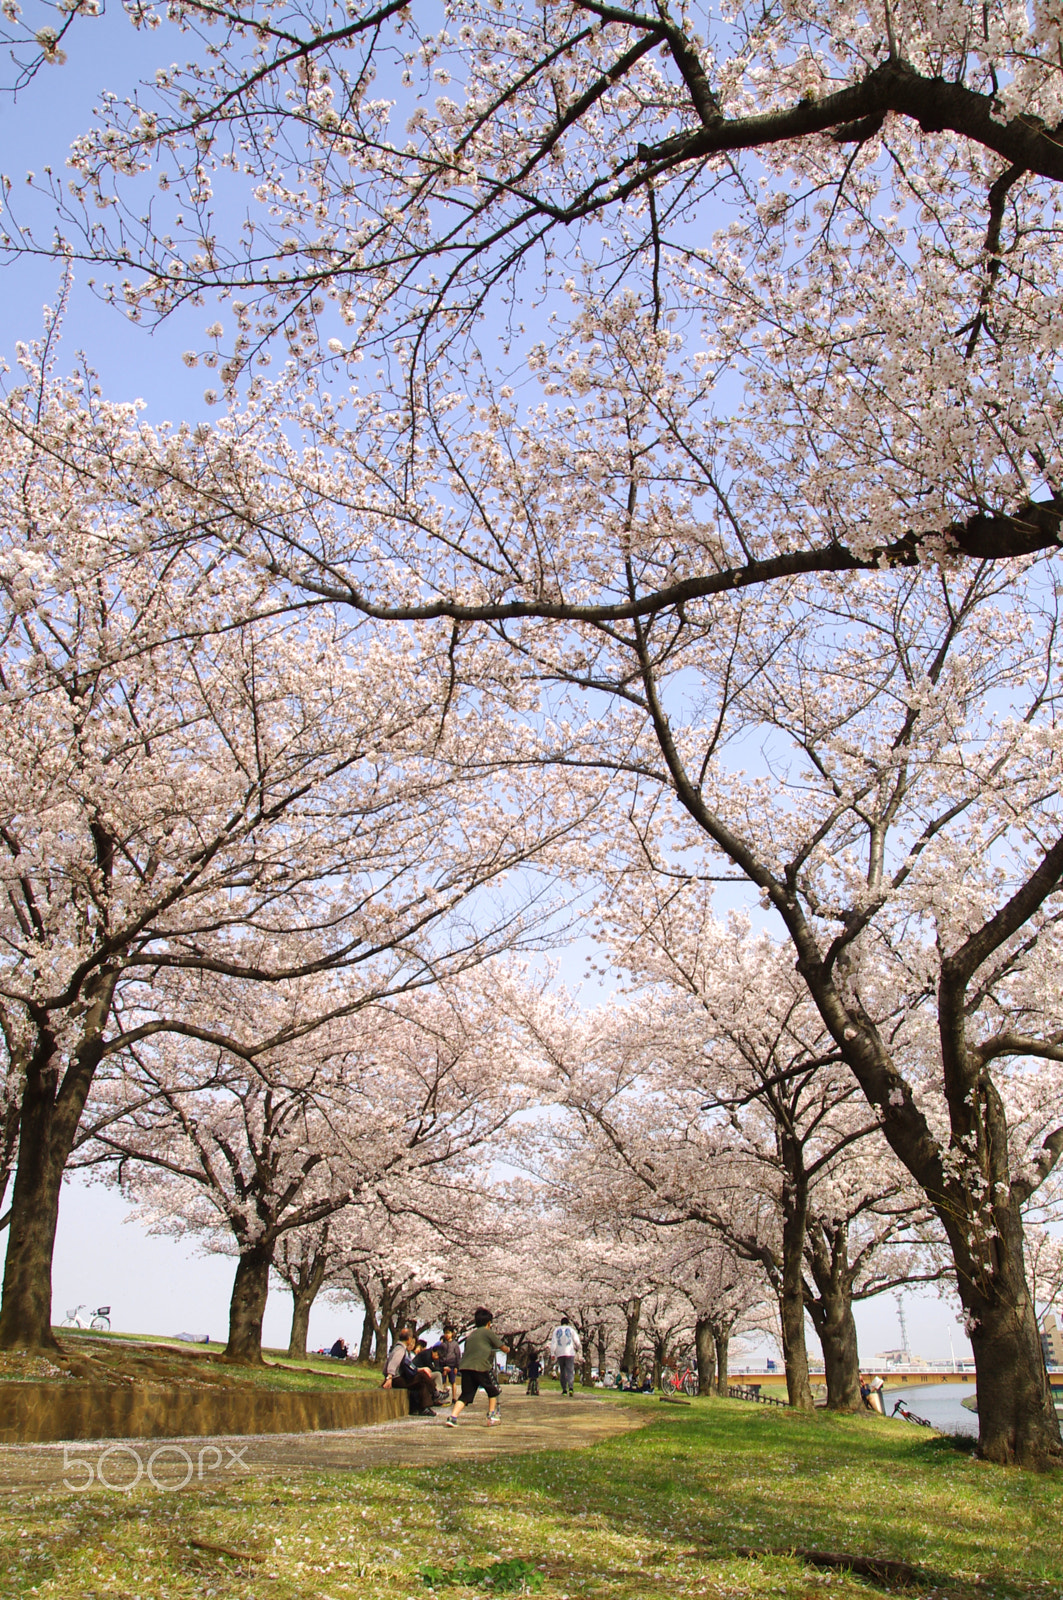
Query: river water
(939, 1403)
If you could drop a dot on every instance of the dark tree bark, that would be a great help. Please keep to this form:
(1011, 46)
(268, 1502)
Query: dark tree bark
(601, 1350)
(705, 1355)
(836, 1327)
(48, 1125)
(9, 1130)
(632, 1317)
(660, 1356)
(792, 1287)
(1016, 1417)
(248, 1304)
(304, 1293)
(369, 1322)
(722, 1341)
(831, 1310)
(586, 1333)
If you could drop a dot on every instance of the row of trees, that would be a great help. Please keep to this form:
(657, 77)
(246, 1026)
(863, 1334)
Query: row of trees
(746, 570)
(680, 1179)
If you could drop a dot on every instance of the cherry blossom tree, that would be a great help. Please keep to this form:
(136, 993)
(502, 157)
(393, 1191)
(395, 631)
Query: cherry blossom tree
(1044, 1256)
(302, 1261)
(622, 1261)
(724, 1292)
(925, 960)
(814, 677)
(736, 1035)
(188, 788)
(397, 177)
(254, 1143)
(768, 522)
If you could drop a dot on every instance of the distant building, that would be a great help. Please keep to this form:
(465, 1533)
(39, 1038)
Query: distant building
(1052, 1341)
(900, 1358)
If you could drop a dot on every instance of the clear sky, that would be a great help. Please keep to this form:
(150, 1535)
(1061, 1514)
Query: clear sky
(106, 53)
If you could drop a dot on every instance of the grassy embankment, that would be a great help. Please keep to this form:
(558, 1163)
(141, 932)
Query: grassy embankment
(654, 1513)
(123, 1357)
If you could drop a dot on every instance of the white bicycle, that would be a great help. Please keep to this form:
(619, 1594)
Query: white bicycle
(82, 1317)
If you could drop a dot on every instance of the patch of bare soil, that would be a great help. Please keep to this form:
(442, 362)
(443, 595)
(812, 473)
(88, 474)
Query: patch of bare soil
(115, 1361)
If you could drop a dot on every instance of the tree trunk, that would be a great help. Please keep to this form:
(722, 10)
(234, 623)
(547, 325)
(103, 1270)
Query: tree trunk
(841, 1357)
(792, 1288)
(26, 1314)
(705, 1355)
(365, 1344)
(601, 1351)
(586, 1368)
(248, 1305)
(722, 1341)
(1016, 1417)
(827, 1247)
(383, 1326)
(9, 1125)
(304, 1293)
(632, 1317)
(659, 1352)
(47, 1129)
(1017, 1422)
(302, 1301)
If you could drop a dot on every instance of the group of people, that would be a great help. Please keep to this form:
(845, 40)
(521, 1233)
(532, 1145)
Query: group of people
(428, 1372)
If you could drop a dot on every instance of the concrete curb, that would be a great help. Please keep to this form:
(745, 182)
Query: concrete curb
(42, 1413)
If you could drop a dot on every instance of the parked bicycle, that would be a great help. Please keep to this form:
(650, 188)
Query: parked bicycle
(82, 1317)
(679, 1382)
(901, 1409)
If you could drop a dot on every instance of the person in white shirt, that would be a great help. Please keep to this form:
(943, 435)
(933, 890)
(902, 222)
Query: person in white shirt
(566, 1349)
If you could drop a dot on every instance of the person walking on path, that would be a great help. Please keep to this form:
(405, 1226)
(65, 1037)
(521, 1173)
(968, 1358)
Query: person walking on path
(477, 1368)
(566, 1349)
(533, 1372)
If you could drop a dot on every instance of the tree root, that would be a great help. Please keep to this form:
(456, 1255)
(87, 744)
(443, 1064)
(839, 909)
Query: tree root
(224, 1550)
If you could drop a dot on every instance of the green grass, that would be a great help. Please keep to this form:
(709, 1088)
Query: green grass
(650, 1514)
(106, 1356)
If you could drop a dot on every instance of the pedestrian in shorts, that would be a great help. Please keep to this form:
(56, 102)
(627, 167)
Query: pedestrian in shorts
(477, 1368)
(448, 1356)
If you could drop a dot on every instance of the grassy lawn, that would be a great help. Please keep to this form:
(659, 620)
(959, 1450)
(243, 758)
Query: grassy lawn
(653, 1513)
(121, 1356)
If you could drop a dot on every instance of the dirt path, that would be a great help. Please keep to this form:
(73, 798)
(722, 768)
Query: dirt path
(545, 1422)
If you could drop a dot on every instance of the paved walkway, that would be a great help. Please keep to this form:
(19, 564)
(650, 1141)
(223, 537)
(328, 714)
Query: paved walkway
(545, 1422)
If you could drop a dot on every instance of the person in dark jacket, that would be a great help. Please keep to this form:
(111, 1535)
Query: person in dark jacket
(448, 1358)
(402, 1372)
